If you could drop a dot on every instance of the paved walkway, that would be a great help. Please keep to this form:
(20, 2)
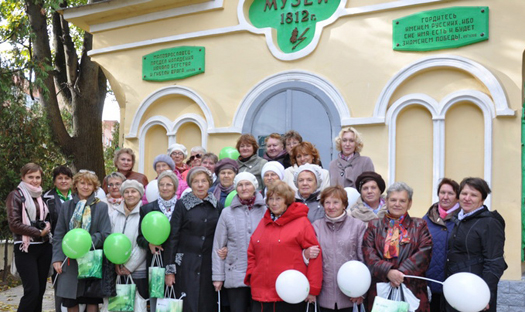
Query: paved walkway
(10, 298)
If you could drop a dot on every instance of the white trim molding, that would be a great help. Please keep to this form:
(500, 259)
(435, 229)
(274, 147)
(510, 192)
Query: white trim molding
(151, 122)
(290, 76)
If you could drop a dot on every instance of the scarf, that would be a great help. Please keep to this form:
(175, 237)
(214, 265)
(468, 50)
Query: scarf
(346, 158)
(62, 197)
(334, 220)
(114, 201)
(31, 192)
(82, 215)
(248, 202)
(221, 189)
(167, 206)
(396, 234)
(268, 158)
(444, 213)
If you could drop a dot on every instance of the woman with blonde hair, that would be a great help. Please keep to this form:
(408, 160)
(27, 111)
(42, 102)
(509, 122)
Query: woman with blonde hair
(349, 164)
(124, 161)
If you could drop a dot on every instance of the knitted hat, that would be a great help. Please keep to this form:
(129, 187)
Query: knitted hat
(274, 166)
(169, 174)
(315, 169)
(163, 158)
(133, 184)
(196, 170)
(226, 163)
(177, 147)
(370, 176)
(245, 176)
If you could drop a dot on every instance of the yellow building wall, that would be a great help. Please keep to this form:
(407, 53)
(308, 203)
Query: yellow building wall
(355, 56)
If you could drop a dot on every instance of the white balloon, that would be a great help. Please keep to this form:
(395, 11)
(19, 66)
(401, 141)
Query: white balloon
(353, 196)
(354, 279)
(466, 292)
(152, 191)
(292, 286)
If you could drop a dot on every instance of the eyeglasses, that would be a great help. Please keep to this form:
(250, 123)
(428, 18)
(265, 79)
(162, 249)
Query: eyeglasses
(178, 153)
(114, 185)
(165, 185)
(196, 156)
(86, 171)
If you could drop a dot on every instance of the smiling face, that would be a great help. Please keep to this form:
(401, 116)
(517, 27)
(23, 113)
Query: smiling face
(166, 188)
(124, 162)
(85, 188)
(33, 178)
(274, 147)
(306, 183)
(470, 199)
(370, 193)
(290, 144)
(270, 177)
(246, 150)
(200, 185)
(398, 203)
(226, 177)
(63, 183)
(178, 158)
(245, 190)
(277, 204)
(447, 197)
(114, 187)
(196, 159)
(161, 166)
(348, 143)
(208, 163)
(304, 158)
(333, 206)
(131, 197)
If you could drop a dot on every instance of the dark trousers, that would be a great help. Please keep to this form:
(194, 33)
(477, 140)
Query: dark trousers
(33, 267)
(438, 302)
(240, 299)
(278, 306)
(336, 309)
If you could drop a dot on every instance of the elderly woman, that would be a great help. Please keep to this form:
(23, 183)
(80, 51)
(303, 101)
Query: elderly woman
(340, 237)
(275, 150)
(249, 160)
(305, 153)
(89, 213)
(291, 138)
(188, 249)
(168, 184)
(209, 160)
(349, 164)
(371, 204)
(124, 161)
(307, 179)
(113, 181)
(178, 153)
(234, 230)
(440, 225)
(225, 169)
(125, 219)
(272, 171)
(478, 239)
(28, 218)
(276, 246)
(398, 245)
(162, 163)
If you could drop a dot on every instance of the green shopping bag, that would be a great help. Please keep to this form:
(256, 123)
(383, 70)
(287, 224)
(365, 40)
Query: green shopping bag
(168, 304)
(156, 277)
(90, 265)
(125, 299)
(386, 305)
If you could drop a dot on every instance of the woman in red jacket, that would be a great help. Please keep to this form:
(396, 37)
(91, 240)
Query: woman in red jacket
(276, 246)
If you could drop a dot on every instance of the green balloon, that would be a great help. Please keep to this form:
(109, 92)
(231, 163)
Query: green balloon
(117, 248)
(229, 199)
(76, 243)
(156, 227)
(229, 152)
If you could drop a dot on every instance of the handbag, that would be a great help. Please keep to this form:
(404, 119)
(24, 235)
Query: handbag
(105, 287)
(90, 265)
(156, 276)
(124, 301)
(169, 304)
(394, 303)
(358, 307)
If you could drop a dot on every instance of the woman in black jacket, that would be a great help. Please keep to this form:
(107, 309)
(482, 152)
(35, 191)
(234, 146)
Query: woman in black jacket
(478, 239)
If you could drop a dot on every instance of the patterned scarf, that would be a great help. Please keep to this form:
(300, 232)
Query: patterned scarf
(248, 202)
(346, 158)
(166, 206)
(221, 189)
(114, 201)
(82, 215)
(396, 234)
(28, 205)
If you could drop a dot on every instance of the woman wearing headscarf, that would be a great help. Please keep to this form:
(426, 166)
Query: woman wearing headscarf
(276, 246)
(225, 169)
(87, 212)
(371, 204)
(236, 225)
(113, 198)
(271, 172)
(478, 239)
(305, 153)
(188, 249)
(124, 161)
(398, 245)
(28, 219)
(349, 163)
(248, 159)
(168, 184)
(307, 179)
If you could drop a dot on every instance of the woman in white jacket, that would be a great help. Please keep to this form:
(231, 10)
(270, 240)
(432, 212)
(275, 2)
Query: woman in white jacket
(125, 219)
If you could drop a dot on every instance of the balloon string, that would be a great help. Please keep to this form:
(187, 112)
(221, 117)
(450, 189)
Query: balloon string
(56, 276)
(424, 278)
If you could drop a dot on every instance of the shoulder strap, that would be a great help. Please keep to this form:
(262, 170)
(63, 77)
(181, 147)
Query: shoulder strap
(23, 202)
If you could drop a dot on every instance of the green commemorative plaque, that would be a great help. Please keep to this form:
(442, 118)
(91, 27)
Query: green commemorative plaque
(173, 63)
(441, 29)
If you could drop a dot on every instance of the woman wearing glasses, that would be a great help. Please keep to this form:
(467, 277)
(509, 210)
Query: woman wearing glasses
(113, 197)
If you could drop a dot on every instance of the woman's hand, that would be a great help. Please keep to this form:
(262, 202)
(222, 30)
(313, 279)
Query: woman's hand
(310, 299)
(124, 270)
(312, 252)
(395, 277)
(46, 230)
(223, 252)
(217, 285)
(58, 267)
(357, 300)
(169, 279)
(155, 249)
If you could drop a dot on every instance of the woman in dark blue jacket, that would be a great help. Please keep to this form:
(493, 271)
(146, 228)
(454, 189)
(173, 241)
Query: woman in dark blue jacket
(439, 221)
